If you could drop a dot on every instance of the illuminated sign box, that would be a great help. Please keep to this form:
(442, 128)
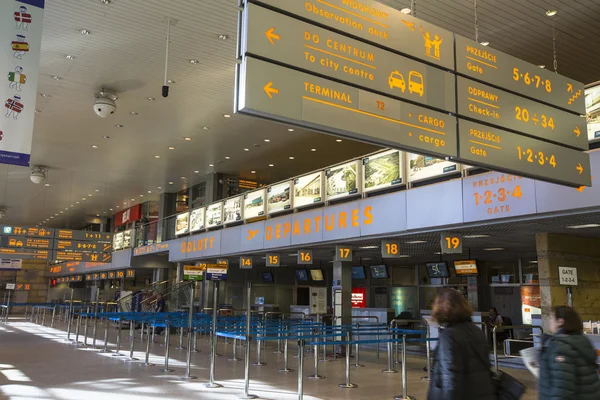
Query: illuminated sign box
(308, 189)
(214, 215)
(343, 180)
(382, 170)
(466, 267)
(182, 223)
(197, 219)
(254, 204)
(232, 210)
(279, 197)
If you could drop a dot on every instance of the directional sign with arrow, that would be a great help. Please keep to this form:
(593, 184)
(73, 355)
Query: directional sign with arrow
(272, 36)
(270, 90)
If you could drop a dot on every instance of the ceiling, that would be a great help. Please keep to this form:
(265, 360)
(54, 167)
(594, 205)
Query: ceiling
(125, 53)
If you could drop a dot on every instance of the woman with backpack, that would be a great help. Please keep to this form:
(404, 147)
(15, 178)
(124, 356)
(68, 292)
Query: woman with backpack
(461, 368)
(568, 369)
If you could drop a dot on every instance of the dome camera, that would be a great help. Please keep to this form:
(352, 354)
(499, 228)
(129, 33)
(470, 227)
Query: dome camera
(105, 104)
(37, 175)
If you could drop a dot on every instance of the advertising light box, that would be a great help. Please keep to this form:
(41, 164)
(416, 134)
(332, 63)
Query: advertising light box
(382, 170)
(118, 241)
(592, 106)
(127, 239)
(425, 167)
(214, 215)
(197, 219)
(254, 204)
(342, 180)
(182, 224)
(308, 189)
(279, 197)
(232, 210)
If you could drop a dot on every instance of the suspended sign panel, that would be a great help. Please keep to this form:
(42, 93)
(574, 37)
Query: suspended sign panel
(21, 37)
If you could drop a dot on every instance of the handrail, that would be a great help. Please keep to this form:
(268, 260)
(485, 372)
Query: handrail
(167, 292)
(502, 328)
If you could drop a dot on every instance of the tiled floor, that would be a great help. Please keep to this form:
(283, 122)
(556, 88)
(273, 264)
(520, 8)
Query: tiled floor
(38, 363)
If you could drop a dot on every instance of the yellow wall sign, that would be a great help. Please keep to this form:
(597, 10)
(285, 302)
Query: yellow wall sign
(451, 243)
(391, 249)
(245, 262)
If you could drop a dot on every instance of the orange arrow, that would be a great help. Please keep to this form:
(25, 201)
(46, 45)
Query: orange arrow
(272, 35)
(569, 88)
(580, 189)
(577, 131)
(580, 169)
(270, 90)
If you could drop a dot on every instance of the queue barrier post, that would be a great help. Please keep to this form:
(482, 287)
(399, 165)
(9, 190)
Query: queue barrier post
(428, 350)
(390, 369)
(70, 316)
(285, 352)
(259, 362)
(147, 362)
(195, 350)
(44, 317)
(234, 347)
(404, 395)
(119, 327)
(53, 316)
(94, 331)
(87, 324)
(213, 339)
(357, 350)
(167, 346)
(131, 340)
(77, 329)
(7, 308)
(347, 384)
(316, 358)
(300, 369)
(105, 349)
(247, 394)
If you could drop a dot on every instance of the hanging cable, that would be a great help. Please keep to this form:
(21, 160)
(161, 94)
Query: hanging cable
(165, 88)
(554, 48)
(476, 22)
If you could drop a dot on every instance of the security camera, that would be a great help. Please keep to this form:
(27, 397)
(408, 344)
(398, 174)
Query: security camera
(105, 104)
(37, 175)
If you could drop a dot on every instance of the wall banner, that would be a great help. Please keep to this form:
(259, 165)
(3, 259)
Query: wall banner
(20, 44)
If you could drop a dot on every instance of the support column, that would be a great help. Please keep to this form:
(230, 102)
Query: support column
(342, 292)
(167, 207)
(554, 251)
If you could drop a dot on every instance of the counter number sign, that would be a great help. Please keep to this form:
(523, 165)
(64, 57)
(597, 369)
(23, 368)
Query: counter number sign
(245, 262)
(567, 276)
(343, 253)
(273, 260)
(305, 257)
(390, 249)
(451, 243)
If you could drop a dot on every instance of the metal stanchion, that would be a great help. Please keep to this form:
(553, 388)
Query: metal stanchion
(105, 349)
(285, 352)
(87, 323)
(195, 350)
(188, 364)
(390, 369)
(44, 317)
(404, 395)
(247, 394)
(234, 347)
(53, 316)
(495, 343)
(213, 339)
(300, 369)
(7, 308)
(167, 346)
(278, 351)
(147, 362)
(77, 329)
(259, 362)
(316, 357)
(131, 340)
(180, 339)
(119, 327)
(428, 347)
(70, 316)
(96, 317)
(357, 356)
(347, 384)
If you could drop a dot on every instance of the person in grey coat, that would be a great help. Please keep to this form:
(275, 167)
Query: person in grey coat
(461, 370)
(568, 369)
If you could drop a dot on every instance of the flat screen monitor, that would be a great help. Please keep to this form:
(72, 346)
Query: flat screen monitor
(267, 277)
(302, 275)
(466, 267)
(358, 272)
(316, 275)
(379, 272)
(437, 270)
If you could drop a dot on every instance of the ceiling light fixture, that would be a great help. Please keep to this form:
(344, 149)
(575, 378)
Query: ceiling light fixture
(551, 13)
(170, 183)
(194, 61)
(368, 247)
(290, 129)
(338, 140)
(156, 156)
(47, 185)
(584, 226)
(223, 37)
(196, 172)
(69, 57)
(106, 137)
(291, 158)
(187, 138)
(133, 113)
(94, 146)
(416, 241)
(83, 198)
(475, 236)
(227, 158)
(37, 110)
(160, 187)
(211, 165)
(150, 98)
(170, 81)
(183, 177)
(118, 126)
(89, 195)
(533, 262)
(271, 165)
(132, 199)
(227, 115)
(110, 209)
(484, 43)
(85, 32)
(57, 78)
(149, 191)
(171, 148)
(494, 249)
(405, 11)
(267, 140)
(206, 128)
(542, 66)
(107, 2)
(252, 172)
(246, 149)
(313, 149)
(141, 195)
(97, 190)
(44, 95)
(76, 202)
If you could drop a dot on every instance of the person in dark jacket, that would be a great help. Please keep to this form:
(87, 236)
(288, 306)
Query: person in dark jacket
(568, 369)
(461, 368)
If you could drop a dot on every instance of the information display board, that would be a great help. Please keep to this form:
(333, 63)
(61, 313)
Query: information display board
(425, 167)
(232, 209)
(193, 272)
(214, 215)
(382, 170)
(59, 255)
(9, 230)
(342, 180)
(254, 204)
(197, 219)
(279, 197)
(93, 247)
(25, 254)
(102, 237)
(308, 189)
(27, 242)
(182, 223)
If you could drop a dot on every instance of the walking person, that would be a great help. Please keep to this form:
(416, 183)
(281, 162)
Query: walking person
(461, 368)
(568, 369)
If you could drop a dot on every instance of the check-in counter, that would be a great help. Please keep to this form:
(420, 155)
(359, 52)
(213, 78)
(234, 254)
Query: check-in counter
(373, 315)
(595, 339)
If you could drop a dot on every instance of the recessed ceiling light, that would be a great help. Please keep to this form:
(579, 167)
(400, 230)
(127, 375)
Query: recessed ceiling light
(156, 156)
(223, 37)
(403, 256)
(85, 32)
(475, 236)
(205, 128)
(584, 226)
(271, 165)
(107, 2)
(57, 78)
(290, 129)
(533, 262)
(194, 61)
(124, 202)
(494, 249)
(106, 137)
(484, 43)
(44, 95)
(83, 198)
(183, 177)
(171, 148)
(196, 172)
(368, 247)
(149, 191)
(542, 66)
(227, 158)
(187, 138)
(89, 195)
(118, 126)
(267, 140)
(551, 13)
(211, 165)
(62, 212)
(170, 183)
(76, 202)
(150, 98)
(47, 184)
(141, 195)
(132, 199)
(252, 172)
(97, 190)
(66, 208)
(94, 146)
(110, 209)
(160, 187)
(291, 158)
(338, 140)
(246, 149)
(133, 113)
(227, 115)
(170, 81)
(118, 207)
(405, 11)
(313, 149)
(69, 57)
(416, 241)
(37, 110)
(52, 217)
